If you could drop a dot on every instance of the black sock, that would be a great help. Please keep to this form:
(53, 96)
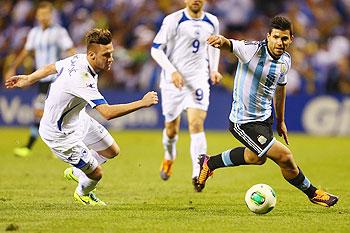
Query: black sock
(302, 183)
(229, 158)
(34, 133)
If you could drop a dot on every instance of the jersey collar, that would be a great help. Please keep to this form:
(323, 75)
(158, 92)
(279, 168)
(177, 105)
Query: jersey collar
(187, 14)
(91, 70)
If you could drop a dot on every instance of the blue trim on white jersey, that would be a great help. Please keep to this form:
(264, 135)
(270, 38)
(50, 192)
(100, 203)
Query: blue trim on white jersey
(155, 45)
(99, 102)
(59, 122)
(80, 164)
(206, 19)
(59, 72)
(183, 19)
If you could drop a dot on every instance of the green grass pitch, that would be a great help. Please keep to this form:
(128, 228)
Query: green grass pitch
(35, 197)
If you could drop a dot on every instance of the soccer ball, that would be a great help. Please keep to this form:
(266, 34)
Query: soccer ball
(260, 198)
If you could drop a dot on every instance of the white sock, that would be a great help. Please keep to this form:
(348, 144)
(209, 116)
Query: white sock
(100, 159)
(198, 147)
(85, 186)
(169, 145)
(78, 173)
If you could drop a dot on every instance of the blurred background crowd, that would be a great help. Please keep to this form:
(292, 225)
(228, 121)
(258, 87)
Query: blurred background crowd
(320, 52)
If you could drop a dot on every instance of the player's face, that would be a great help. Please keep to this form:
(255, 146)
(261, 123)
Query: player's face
(194, 5)
(104, 57)
(278, 41)
(44, 16)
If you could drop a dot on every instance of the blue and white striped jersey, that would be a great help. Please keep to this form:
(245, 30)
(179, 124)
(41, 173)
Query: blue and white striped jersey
(48, 44)
(183, 39)
(257, 77)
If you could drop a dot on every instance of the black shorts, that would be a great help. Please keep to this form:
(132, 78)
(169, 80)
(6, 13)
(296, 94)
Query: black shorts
(43, 87)
(257, 136)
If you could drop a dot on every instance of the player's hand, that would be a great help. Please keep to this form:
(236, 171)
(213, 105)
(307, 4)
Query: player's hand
(177, 79)
(19, 81)
(216, 41)
(151, 98)
(282, 131)
(215, 77)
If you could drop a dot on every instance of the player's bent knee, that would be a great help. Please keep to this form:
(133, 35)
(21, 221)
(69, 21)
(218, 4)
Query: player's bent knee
(251, 158)
(115, 150)
(110, 152)
(196, 126)
(286, 159)
(261, 160)
(171, 132)
(114, 154)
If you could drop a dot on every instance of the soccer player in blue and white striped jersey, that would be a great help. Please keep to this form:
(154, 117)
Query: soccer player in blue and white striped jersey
(48, 42)
(261, 78)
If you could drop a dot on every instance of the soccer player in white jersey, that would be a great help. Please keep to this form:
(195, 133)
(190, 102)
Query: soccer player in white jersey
(260, 78)
(66, 128)
(187, 63)
(47, 41)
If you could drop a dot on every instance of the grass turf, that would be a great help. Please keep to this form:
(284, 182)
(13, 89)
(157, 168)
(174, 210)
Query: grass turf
(34, 196)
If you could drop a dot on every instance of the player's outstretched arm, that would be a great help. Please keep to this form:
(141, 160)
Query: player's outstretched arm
(113, 111)
(19, 60)
(220, 42)
(22, 81)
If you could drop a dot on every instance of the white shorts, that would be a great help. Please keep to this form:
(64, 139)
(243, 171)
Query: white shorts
(96, 138)
(174, 100)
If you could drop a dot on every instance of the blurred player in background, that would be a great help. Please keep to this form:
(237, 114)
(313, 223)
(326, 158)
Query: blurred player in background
(187, 63)
(261, 76)
(48, 42)
(66, 128)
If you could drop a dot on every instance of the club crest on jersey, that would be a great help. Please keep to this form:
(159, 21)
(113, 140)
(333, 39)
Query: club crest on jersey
(262, 139)
(283, 68)
(259, 53)
(83, 153)
(85, 76)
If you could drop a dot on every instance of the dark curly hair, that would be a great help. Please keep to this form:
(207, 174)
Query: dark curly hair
(281, 23)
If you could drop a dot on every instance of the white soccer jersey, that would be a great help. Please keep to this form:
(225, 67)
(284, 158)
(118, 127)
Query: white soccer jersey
(183, 39)
(64, 113)
(47, 45)
(257, 77)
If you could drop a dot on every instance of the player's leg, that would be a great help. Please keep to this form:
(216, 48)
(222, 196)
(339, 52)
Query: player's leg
(101, 144)
(257, 138)
(90, 172)
(38, 105)
(198, 145)
(197, 103)
(172, 107)
(169, 140)
(283, 157)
